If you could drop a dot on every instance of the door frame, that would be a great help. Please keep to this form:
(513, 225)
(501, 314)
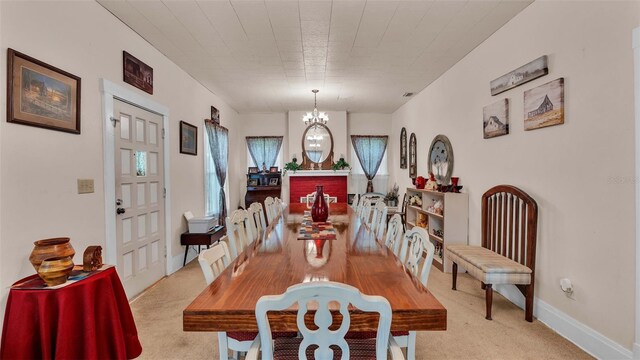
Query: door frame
(110, 92)
(635, 45)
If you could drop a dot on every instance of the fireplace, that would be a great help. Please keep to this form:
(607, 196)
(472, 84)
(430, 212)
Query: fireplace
(302, 183)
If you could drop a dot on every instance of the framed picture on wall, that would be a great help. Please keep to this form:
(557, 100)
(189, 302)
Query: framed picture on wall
(403, 148)
(273, 169)
(215, 115)
(544, 105)
(137, 73)
(41, 95)
(253, 170)
(252, 182)
(273, 182)
(188, 138)
(413, 157)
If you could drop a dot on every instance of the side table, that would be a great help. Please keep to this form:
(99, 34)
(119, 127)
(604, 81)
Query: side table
(191, 239)
(89, 319)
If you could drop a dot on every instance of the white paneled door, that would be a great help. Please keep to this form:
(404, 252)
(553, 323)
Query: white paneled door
(139, 198)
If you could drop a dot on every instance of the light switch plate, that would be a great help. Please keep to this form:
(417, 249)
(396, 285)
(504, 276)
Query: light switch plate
(85, 186)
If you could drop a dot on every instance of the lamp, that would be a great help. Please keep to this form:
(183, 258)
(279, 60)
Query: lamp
(315, 117)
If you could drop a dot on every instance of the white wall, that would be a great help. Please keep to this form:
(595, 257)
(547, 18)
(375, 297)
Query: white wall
(40, 167)
(580, 173)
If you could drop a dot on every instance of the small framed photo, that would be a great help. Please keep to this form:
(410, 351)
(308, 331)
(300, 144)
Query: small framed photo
(252, 182)
(273, 169)
(350, 198)
(188, 138)
(273, 182)
(253, 170)
(215, 115)
(41, 95)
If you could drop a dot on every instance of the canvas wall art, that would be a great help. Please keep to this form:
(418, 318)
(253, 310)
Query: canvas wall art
(41, 95)
(544, 105)
(495, 119)
(521, 75)
(137, 73)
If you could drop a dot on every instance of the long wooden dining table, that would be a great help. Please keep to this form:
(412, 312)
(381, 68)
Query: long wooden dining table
(278, 260)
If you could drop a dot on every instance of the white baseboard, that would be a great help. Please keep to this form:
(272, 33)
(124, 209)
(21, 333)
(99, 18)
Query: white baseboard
(636, 351)
(176, 261)
(589, 340)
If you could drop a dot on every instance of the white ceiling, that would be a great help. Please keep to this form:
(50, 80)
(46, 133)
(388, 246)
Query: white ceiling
(267, 56)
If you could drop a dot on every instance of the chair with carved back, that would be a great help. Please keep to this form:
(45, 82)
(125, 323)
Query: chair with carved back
(379, 219)
(323, 343)
(418, 256)
(257, 219)
(402, 211)
(355, 201)
(393, 239)
(213, 261)
(311, 198)
(239, 231)
(508, 252)
(269, 203)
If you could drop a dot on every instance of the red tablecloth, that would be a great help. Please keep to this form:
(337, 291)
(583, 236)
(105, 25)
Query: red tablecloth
(90, 319)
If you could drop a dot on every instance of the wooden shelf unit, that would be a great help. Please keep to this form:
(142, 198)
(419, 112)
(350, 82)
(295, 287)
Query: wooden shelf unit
(454, 221)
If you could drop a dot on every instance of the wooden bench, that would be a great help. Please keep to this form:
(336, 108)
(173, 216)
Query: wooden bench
(508, 251)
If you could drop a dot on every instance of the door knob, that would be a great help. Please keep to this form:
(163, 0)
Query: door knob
(118, 202)
(120, 211)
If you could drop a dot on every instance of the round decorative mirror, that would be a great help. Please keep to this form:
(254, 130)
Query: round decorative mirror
(441, 159)
(317, 147)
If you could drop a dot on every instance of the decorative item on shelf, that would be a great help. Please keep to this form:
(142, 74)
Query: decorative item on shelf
(420, 182)
(264, 168)
(340, 165)
(431, 183)
(253, 170)
(437, 207)
(50, 248)
(454, 184)
(273, 169)
(313, 166)
(92, 258)
(422, 221)
(415, 200)
(252, 182)
(273, 182)
(438, 232)
(392, 196)
(55, 271)
(320, 209)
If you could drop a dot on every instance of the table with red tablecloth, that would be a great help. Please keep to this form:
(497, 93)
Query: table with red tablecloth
(89, 319)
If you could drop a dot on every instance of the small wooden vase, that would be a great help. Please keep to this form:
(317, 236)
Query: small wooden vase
(50, 248)
(55, 271)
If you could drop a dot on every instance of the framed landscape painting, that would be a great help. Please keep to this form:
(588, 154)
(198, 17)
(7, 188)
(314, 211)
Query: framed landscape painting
(41, 95)
(495, 119)
(521, 75)
(544, 105)
(188, 138)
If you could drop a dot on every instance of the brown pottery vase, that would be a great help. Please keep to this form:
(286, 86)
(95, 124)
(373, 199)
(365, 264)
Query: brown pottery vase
(320, 209)
(55, 271)
(50, 248)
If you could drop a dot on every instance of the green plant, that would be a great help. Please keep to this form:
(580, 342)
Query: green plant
(340, 165)
(292, 166)
(393, 194)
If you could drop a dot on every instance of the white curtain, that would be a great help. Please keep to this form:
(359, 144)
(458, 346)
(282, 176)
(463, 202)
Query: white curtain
(264, 149)
(218, 137)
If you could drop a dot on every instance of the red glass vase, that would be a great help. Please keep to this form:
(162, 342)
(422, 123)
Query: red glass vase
(320, 209)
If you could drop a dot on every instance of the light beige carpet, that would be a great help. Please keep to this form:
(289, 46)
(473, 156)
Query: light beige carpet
(158, 315)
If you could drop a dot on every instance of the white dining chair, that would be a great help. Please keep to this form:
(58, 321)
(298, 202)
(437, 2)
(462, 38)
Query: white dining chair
(379, 219)
(239, 231)
(394, 234)
(355, 201)
(415, 244)
(257, 219)
(311, 198)
(365, 213)
(268, 204)
(279, 206)
(322, 293)
(213, 261)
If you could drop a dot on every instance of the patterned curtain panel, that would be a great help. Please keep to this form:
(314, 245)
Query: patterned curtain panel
(219, 146)
(370, 151)
(264, 149)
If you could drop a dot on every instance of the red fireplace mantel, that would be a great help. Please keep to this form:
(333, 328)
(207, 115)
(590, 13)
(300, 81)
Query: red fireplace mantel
(304, 182)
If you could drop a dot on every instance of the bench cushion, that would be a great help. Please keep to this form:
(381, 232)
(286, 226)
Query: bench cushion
(488, 266)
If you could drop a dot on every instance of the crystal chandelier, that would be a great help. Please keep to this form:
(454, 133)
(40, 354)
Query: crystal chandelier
(315, 117)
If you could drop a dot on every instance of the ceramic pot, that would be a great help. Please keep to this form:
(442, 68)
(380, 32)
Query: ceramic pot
(55, 271)
(320, 209)
(50, 248)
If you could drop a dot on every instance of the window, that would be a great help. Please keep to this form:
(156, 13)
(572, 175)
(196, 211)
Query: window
(212, 192)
